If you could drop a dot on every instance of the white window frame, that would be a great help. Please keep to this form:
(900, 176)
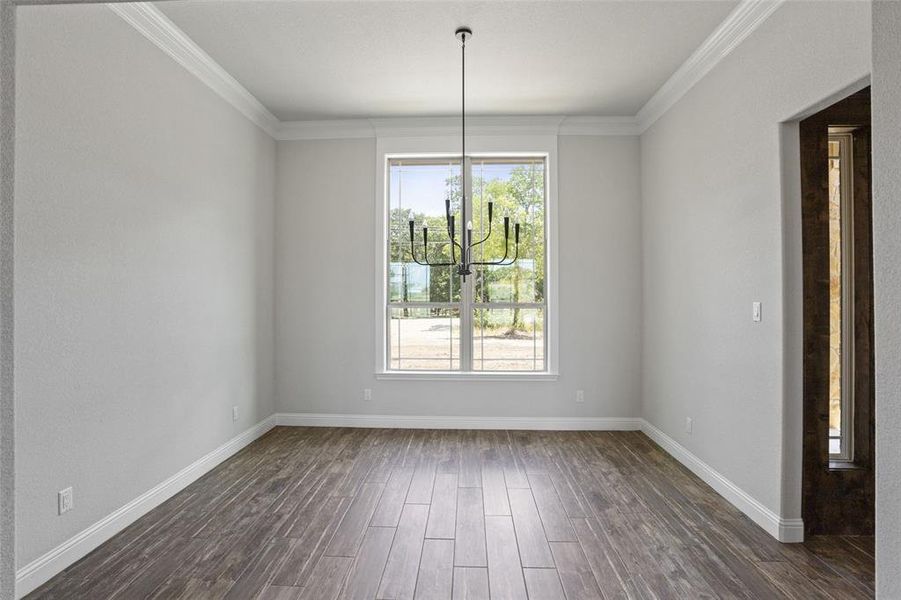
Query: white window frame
(444, 146)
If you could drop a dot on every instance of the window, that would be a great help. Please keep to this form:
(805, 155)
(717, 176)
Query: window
(841, 299)
(495, 320)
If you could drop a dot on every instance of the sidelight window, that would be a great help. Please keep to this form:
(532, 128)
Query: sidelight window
(841, 298)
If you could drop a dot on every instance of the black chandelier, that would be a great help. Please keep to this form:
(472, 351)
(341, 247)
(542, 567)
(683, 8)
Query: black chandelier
(467, 245)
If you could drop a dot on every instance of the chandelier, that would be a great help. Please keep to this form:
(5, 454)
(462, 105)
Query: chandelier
(466, 245)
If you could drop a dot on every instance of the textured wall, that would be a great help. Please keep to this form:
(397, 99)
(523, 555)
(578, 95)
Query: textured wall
(7, 403)
(713, 243)
(325, 345)
(144, 218)
(887, 274)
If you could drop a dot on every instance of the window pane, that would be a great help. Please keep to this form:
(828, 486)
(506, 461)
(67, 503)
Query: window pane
(516, 283)
(835, 300)
(418, 190)
(424, 339)
(516, 187)
(835, 443)
(508, 339)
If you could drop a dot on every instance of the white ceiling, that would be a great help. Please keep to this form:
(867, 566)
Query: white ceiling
(337, 60)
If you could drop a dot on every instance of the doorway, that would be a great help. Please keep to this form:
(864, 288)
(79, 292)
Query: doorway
(838, 489)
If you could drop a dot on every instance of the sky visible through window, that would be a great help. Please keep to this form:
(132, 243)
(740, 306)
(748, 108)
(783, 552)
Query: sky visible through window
(424, 192)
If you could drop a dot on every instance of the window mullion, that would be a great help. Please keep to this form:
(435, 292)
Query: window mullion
(466, 286)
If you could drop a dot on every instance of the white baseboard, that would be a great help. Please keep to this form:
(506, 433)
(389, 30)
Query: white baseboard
(40, 570)
(449, 422)
(784, 530)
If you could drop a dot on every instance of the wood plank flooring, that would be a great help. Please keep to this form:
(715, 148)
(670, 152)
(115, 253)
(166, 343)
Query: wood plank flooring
(328, 513)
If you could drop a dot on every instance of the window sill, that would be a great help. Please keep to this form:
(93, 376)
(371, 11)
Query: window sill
(461, 376)
(843, 465)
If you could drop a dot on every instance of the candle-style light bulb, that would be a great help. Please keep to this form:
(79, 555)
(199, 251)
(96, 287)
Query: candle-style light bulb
(469, 225)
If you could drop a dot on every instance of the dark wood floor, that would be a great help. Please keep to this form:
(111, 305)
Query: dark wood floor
(319, 514)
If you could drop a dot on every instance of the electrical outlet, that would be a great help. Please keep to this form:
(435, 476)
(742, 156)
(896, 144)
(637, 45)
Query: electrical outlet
(756, 314)
(234, 413)
(688, 424)
(367, 394)
(580, 396)
(65, 500)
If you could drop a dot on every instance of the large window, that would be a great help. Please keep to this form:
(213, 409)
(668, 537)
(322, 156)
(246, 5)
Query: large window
(494, 320)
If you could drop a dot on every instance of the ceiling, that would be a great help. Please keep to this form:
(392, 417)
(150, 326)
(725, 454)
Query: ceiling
(338, 60)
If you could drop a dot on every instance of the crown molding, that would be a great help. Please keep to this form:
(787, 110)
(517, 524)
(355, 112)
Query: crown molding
(439, 126)
(163, 33)
(599, 126)
(324, 130)
(740, 23)
(157, 28)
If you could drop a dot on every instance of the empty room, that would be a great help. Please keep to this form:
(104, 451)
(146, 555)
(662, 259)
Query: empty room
(450, 300)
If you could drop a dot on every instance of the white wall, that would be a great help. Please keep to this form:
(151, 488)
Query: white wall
(7, 403)
(325, 293)
(713, 243)
(886, 93)
(143, 286)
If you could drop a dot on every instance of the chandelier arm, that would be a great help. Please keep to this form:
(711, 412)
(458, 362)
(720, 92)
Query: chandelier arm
(441, 264)
(490, 223)
(450, 230)
(413, 247)
(516, 251)
(484, 239)
(503, 262)
(515, 257)
(427, 263)
(494, 263)
(413, 255)
(497, 262)
(454, 244)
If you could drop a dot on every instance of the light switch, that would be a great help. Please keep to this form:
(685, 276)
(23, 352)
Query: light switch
(755, 312)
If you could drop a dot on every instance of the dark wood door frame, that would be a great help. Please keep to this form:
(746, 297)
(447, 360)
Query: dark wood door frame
(836, 501)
